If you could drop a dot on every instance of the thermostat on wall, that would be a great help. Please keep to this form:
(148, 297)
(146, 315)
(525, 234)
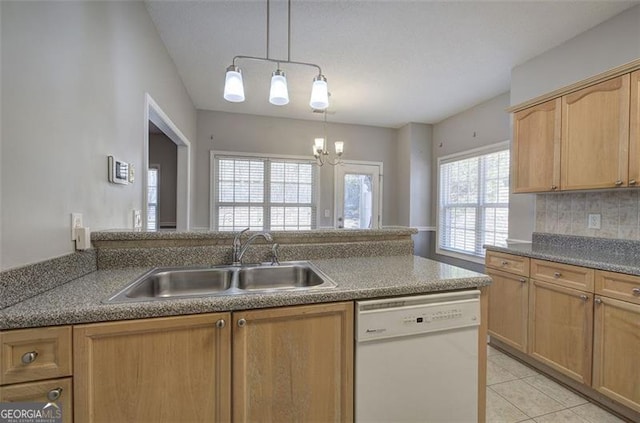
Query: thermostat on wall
(118, 171)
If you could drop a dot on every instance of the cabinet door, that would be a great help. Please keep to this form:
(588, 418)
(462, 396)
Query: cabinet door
(560, 329)
(293, 364)
(508, 300)
(616, 351)
(595, 136)
(536, 148)
(174, 369)
(634, 134)
(57, 391)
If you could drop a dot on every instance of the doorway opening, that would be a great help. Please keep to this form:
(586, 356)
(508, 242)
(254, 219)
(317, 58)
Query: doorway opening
(358, 193)
(166, 201)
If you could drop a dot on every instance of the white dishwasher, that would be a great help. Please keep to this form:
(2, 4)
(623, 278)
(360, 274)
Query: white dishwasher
(417, 359)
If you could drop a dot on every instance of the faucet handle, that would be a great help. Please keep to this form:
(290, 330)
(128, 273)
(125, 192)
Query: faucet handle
(274, 254)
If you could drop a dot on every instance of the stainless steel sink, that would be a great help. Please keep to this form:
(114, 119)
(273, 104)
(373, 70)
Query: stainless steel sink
(279, 277)
(189, 282)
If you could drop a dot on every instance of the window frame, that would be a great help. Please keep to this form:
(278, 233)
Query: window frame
(476, 152)
(156, 168)
(213, 182)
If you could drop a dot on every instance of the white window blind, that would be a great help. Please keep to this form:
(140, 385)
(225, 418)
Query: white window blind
(473, 202)
(153, 182)
(264, 193)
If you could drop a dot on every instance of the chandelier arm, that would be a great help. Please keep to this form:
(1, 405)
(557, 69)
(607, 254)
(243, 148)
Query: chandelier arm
(266, 59)
(268, 9)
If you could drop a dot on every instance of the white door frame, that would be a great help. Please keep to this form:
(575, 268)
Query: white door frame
(338, 189)
(153, 113)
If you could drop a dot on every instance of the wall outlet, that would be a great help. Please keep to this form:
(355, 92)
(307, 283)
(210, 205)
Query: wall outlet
(594, 221)
(327, 213)
(76, 222)
(137, 219)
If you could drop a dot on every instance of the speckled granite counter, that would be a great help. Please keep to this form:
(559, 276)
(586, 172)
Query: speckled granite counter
(81, 300)
(614, 255)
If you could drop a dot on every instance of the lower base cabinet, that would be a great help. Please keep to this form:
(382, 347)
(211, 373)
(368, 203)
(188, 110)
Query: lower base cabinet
(616, 346)
(58, 391)
(289, 364)
(175, 369)
(293, 364)
(560, 329)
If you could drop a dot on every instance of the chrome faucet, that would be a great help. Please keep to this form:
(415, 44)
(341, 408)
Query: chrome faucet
(239, 249)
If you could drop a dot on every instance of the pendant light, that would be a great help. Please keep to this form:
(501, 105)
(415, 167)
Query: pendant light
(278, 93)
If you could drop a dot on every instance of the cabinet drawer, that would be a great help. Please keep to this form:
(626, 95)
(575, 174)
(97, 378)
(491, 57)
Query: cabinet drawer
(33, 354)
(563, 274)
(58, 391)
(618, 285)
(508, 263)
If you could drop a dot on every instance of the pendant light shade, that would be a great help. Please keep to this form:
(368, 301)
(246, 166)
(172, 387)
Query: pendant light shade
(278, 95)
(233, 87)
(319, 93)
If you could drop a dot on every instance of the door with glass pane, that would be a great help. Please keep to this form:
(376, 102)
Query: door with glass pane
(358, 195)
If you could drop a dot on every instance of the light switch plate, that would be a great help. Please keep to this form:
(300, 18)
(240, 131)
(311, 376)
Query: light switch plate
(594, 221)
(137, 219)
(76, 222)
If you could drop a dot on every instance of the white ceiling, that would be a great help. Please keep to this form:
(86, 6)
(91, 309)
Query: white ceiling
(387, 62)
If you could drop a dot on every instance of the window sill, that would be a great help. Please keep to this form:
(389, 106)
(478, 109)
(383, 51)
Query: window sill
(461, 256)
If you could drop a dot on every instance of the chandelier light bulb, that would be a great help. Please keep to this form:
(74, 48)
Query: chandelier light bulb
(319, 93)
(339, 148)
(233, 86)
(278, 95)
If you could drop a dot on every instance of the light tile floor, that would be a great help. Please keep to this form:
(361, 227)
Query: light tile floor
(517, 393)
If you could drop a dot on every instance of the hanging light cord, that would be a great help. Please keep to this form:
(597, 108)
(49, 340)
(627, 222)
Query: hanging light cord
(277, 62)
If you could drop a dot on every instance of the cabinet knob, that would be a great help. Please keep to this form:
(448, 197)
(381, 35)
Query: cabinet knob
(242, 323)
(619, 183)
(220, 324)
(584, 297)
(54, 394)
(598, 301)
(554, 187)
(635, 291)
(30, 357)
(523, 280)
(557, 274)
(504, 262)
(632, 182)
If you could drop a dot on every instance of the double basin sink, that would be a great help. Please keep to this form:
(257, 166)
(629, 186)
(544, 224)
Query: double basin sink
(189, 282)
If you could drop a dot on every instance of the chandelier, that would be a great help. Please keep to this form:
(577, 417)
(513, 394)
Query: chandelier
(279, 93)
(320, 148)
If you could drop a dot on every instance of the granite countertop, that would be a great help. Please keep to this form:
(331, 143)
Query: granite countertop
(81, 300)
(613, 255)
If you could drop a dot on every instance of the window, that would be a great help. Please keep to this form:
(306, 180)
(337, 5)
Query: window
(153, 182)
(263, 193)
(473, 201)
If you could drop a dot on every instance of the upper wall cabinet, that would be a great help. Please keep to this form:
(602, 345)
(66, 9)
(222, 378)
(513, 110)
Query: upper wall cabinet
(595, 136)
(536, 148)
(584, 137)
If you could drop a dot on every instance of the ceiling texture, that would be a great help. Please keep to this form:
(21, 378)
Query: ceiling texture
(387, 63)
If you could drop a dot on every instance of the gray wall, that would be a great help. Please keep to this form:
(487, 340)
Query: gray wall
(74, 78)
(163, 152)
(268, 135)
(605, 46)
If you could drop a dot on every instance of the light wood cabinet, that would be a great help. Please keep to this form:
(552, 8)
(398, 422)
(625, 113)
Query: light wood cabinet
(567, 275)
(34, 354)
(536, 148)
(561, 328)
(175, 369)
(507, 263)
(616, 351)
(595, 136)
(634, 132)
(508, 308)
(618, 285)
(58, 391)
(293, 364)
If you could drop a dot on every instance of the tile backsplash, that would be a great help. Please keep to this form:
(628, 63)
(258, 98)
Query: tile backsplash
(567, 213)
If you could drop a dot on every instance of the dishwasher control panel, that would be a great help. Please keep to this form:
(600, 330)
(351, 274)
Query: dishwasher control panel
(443, 312)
